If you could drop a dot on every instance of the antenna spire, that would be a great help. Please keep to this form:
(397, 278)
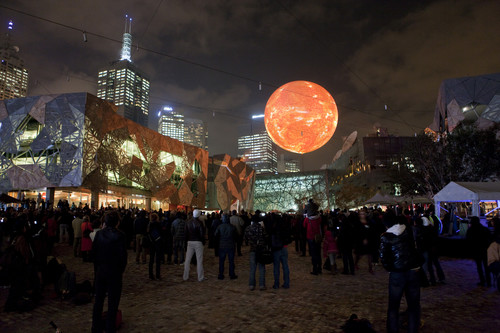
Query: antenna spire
(127, 39)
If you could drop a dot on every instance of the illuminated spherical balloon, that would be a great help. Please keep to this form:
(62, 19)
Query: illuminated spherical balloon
(301, 116)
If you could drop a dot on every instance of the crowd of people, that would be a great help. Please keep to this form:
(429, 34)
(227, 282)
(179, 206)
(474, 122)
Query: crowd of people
(405, 244)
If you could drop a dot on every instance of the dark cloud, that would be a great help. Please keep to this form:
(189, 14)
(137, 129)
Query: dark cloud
(365, 53)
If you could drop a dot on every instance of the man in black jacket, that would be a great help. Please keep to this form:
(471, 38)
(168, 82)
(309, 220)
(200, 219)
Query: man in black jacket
(110, 248)
(400, 258)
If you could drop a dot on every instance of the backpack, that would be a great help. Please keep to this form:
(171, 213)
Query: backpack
(66, 285)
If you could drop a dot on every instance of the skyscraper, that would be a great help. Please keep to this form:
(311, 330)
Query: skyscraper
(171, 123)
(257, 149)
(13, 75)
(196, 133)
(123, 84)
(188, 130)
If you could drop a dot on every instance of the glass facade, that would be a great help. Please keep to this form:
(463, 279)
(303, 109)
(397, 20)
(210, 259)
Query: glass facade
(290, 191)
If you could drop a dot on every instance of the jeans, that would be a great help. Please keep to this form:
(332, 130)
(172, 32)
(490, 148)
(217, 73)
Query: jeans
(253, 268)
(63, 233)
(348, 261)
(179, 251)
(434, 261)
(406, 283)
(77, 246)
(194, 247)
(281, 256)
(110, 283)
(155, 255)
(484, 275)
(222, 258)
(315, 253)
(140, 253)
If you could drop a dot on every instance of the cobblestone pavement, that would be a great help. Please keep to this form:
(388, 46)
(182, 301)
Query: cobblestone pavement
(312, 304)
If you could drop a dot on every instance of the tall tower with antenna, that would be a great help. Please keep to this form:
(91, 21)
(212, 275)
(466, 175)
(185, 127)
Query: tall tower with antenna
(13, 74)
(124, 84)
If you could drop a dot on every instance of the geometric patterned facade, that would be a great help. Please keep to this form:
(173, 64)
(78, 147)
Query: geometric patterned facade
(290, 191)
(231, 184)
(73, 140)
(475, 99)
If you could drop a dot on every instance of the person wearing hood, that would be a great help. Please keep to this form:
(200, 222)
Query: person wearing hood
(227, 235)
(479, 238)
(400, 257)
(312, 224)
(494, 252)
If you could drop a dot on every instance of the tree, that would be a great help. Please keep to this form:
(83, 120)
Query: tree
(466, 154)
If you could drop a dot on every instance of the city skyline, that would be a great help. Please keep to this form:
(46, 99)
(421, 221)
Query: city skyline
(381, 61)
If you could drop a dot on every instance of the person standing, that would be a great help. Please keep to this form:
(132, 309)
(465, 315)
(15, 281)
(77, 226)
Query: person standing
(400, 257)
(86, 246)
(140, 229)
(312, 223)
(238, 223)
(479, 239)
(493, 252)
(195, 237)
(156, 247)
(77, 229)
(110, 248)
(256, 237)
(178, 231)
(280, 238)
(226, 233)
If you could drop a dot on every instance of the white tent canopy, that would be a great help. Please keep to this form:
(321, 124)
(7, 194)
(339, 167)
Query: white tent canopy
(381, 199)
(474, 192)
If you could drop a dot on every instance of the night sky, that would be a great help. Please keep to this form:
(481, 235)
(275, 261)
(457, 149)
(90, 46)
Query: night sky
(206, 57)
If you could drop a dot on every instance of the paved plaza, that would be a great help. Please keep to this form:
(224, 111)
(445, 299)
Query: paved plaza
(312, 304)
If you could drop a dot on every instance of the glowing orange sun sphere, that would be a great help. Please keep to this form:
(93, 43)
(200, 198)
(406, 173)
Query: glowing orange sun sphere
(301, 116)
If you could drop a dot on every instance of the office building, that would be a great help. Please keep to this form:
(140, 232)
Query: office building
(188, 130)
(171, 123)
(125, 85)
(13, 74)
(196, 133)
(256, 148)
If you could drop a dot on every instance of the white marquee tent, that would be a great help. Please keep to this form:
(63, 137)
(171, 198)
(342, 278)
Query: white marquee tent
(473, 192)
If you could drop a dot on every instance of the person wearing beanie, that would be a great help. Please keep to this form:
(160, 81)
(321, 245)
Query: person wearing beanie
(195, 237)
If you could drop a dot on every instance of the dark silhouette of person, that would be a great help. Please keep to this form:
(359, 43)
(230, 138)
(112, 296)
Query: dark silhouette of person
(110, 249)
